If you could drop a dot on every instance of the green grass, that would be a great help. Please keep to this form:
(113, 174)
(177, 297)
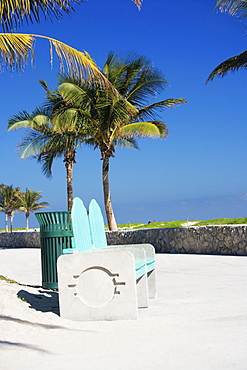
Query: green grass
(152, 225)
(159, 225)
(17, 229)
(223, 221)
(130, 226)
(4, 278)
(155, 225)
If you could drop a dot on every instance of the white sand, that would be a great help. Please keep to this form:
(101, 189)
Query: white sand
(198, 321)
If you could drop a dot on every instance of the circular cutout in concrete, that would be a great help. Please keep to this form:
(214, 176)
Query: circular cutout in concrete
(95, 287)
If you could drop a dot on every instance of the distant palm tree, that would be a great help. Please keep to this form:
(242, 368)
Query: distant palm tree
(119, 118)
(29, 202)
(9, 203)
(237, 8)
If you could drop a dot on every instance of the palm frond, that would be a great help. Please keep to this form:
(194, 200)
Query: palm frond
(162, 127)
(47, 162)
(20, 120)
(43, 205)
(233, 7)
(145, 129)
(16, 47)
(38, 120)
(168, 103)
(127, 142)
(114, 68)
(41, 120)
(134, 77)
(14, 50)
(152, 109)
(44, 84)
(114, 115)
(231, 64)
(66, 121)
(149, 83)
(71, 92)
(138, 3)
(13, 13)
(32, 144)
(80, 93)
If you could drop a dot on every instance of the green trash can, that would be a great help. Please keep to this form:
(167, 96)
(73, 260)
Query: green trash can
(55, 235)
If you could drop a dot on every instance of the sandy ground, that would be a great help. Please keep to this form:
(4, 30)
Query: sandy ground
(198, 321)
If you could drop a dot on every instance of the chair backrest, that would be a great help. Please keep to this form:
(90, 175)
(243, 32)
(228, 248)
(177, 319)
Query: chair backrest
(82, 240)
(97, 226)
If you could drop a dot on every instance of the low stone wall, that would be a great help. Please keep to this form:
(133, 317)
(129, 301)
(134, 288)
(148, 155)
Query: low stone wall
(222, 240)
(20, 240)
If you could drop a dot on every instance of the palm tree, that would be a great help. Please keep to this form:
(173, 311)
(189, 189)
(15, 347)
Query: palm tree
(120, 118)
(82, 111)
(16, 47)
(237, 8)
(29, 202)
(9, 203)
(52, 132)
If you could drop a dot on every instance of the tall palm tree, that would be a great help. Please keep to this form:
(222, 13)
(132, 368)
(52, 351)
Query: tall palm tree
(9, 203)
(52, 131)
(29, 202)
(120, 118)
(236, 8)
(16, 47)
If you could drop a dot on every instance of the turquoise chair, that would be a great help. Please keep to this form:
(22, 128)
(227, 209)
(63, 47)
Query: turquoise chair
(99, 240)
(82, 242)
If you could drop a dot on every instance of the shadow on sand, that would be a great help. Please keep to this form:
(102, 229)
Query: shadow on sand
(44, 300)
(5, 344)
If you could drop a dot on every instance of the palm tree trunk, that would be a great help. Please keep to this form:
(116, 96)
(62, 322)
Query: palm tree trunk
(69, 160)
(69, 179)
(11, 222)
(6, 222)
(26, 222)
(107, 196)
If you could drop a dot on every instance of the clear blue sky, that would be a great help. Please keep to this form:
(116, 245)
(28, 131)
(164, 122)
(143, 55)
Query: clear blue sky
(200, 170)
